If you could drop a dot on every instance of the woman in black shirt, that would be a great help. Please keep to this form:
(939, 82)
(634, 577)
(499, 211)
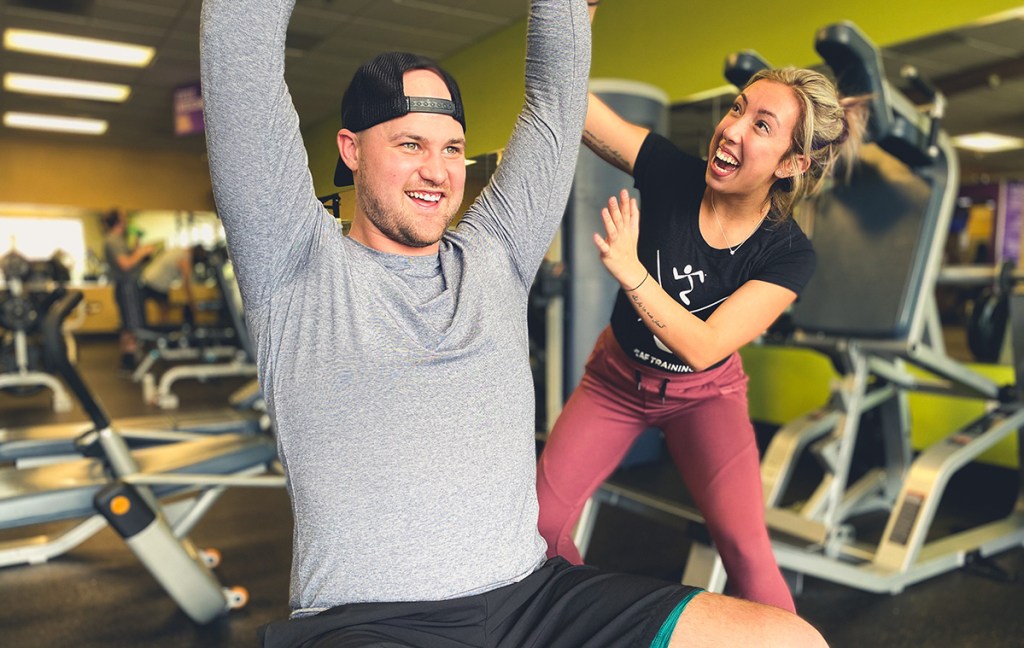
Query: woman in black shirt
(717, 260)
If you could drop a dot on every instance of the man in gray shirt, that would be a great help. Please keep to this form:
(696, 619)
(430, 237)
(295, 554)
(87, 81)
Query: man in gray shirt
(394, 360)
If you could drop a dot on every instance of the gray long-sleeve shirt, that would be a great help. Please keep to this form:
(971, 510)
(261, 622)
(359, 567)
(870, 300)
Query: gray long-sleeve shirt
(400, 386)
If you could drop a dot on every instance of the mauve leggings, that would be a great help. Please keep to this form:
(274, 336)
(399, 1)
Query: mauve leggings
(707, 431)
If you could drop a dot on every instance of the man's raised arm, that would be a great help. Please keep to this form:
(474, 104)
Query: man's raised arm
(528, 194)
(258, 163)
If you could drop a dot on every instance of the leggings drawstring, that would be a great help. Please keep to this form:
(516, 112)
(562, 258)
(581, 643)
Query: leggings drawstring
(661, 390)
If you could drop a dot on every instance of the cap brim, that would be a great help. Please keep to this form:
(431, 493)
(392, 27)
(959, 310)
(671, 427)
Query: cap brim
(343, 175)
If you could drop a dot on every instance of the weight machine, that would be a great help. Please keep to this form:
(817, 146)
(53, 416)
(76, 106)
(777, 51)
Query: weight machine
(245, 413)
(878, 321)
(209, 352)
(151, 497)
(22, 307)
(870, 308)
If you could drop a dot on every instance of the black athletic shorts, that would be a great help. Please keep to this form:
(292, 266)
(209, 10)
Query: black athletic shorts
(558, 606)
(154, 294)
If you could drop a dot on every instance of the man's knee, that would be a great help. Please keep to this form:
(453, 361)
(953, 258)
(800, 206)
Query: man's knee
(716, 620)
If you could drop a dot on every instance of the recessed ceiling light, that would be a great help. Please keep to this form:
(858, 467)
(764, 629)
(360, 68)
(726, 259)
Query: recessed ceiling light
(59, 87)
(89, 49)
(987, 142)
(33, 121)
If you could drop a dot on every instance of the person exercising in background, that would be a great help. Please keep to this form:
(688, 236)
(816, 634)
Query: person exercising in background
(395, 359)
(125, 259)
(714, 261)
(169, 267)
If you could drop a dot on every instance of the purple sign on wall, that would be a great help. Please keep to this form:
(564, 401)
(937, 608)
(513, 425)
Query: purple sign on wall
(1012, 220)
(188, 110)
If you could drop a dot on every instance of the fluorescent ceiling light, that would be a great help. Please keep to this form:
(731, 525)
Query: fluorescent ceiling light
(56, 123)
(89, 49)
(58, 87)
(987, 142)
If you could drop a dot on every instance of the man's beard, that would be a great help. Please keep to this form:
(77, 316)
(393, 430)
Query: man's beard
(392, 224)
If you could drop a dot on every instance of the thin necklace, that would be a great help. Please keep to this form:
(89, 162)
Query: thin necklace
(732, 250)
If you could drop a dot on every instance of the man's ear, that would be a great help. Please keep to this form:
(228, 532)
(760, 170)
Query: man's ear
(348, 148)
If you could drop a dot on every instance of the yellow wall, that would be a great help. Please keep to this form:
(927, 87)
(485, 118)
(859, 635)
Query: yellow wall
(681, 46)
(100, 177)
(677, 46)
(323, 154)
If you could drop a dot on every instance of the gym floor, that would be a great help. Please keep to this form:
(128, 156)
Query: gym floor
(98, 595)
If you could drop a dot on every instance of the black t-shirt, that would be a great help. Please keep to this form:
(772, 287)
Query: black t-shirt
(698, 276)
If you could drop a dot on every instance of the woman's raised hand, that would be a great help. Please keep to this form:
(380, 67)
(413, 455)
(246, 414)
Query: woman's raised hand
(618, 247)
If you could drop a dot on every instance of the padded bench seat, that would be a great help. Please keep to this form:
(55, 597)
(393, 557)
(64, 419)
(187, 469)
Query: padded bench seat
(65, 490)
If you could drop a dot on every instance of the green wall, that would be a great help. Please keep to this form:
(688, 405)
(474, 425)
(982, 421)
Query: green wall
(681, 46)
(677, 46)
(787, 382)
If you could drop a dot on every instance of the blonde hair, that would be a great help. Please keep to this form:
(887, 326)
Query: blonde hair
(829, 131)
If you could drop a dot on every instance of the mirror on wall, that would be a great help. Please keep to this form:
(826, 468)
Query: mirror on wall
(45, 233)
(74, 235)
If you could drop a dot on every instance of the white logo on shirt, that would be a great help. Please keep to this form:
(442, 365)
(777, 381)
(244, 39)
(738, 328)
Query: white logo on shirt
(688, 274)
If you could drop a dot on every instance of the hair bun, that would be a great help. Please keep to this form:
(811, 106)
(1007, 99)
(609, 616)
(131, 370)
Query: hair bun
(846, 131)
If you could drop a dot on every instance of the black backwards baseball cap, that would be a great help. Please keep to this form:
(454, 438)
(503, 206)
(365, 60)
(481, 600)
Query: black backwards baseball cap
(377, 94)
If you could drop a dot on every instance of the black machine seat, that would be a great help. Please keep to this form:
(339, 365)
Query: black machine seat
(884, 214)
(857, 65)
(879, 236)
(741, 66)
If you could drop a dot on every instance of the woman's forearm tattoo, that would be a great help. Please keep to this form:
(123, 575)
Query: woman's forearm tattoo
(643, 310)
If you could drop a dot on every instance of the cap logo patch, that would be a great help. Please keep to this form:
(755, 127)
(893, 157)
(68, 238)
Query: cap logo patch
(431, 105)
